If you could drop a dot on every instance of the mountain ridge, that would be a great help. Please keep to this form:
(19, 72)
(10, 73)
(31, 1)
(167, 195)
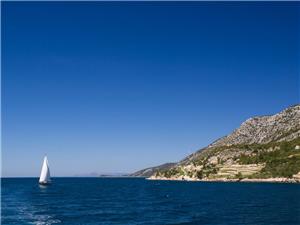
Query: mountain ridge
(259, 136)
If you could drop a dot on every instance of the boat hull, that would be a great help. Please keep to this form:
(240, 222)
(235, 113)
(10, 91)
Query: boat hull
(44, 183)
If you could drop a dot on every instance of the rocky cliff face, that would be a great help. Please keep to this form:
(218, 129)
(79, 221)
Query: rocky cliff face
(262, 147)
(283, 126)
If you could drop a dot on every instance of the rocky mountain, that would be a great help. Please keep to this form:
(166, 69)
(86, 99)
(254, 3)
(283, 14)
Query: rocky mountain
(283, 126)
(263, 147)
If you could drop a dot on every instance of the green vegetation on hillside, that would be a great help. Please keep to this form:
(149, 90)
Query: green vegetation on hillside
(172, 172)
(281, 162)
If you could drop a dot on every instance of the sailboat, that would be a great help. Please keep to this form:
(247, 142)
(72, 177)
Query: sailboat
(45, 173)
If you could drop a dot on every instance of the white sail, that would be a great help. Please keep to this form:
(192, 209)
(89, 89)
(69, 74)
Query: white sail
(45, 173)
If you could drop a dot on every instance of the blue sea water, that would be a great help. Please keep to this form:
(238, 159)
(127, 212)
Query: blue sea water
(135, 201)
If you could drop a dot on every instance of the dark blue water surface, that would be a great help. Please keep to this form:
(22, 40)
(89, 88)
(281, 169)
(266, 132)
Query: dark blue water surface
(138, 201)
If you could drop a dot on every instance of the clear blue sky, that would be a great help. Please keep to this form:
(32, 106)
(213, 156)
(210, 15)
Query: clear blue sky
(117, 87)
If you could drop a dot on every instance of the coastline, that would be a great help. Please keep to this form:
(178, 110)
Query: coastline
(245, 180)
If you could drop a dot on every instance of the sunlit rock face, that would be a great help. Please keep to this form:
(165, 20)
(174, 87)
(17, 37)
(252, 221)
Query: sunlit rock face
(283, 126)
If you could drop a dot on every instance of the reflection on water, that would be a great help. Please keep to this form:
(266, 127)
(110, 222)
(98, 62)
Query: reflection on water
(43, 186)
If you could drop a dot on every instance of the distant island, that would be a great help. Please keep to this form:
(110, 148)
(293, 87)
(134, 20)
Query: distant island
(94, 174)
(262, 149)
